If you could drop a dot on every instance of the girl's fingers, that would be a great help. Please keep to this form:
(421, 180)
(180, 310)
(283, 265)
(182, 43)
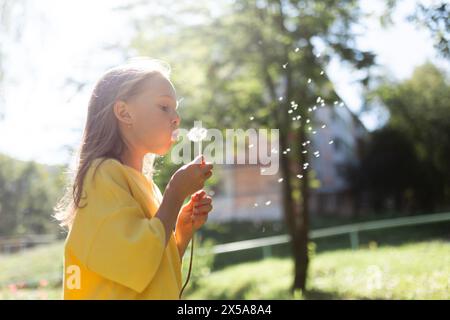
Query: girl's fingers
(198, 195)
(202, 209)
(203, 202)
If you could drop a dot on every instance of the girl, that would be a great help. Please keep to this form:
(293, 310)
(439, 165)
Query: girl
(126, 240)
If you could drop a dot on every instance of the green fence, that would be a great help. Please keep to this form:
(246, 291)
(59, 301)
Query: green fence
(352, 230)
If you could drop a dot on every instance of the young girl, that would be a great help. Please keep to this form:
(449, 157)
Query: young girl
(126, 240)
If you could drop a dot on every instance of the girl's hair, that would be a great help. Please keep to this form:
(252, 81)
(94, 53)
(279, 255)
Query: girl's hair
(102, 137)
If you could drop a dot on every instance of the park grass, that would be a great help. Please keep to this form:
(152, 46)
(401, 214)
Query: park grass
(409, 271)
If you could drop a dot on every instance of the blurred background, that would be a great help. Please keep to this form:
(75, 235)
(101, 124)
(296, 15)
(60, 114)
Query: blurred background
(359, 90)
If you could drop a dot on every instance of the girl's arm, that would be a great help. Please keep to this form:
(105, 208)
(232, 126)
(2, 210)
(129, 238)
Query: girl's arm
(185, 181)
(183, 237)
(168, 211)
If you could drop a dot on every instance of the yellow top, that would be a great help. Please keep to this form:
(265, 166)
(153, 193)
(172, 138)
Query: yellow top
(115, 248)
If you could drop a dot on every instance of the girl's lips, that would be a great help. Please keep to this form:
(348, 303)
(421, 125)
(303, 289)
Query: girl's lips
(175, 135)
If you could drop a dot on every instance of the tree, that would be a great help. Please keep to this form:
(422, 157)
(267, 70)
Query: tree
(239, 58)
(418, 131)
(436, 19)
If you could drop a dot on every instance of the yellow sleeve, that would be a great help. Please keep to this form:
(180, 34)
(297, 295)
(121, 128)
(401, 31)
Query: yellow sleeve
(126, 246)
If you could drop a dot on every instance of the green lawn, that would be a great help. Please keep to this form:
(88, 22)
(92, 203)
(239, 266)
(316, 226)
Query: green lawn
(410, 271)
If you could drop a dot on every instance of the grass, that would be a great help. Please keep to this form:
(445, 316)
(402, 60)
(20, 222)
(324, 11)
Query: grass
(408, 271)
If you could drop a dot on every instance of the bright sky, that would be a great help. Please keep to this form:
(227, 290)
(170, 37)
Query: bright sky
(64, 39)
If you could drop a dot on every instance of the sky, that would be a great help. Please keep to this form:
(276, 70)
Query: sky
(65, 40)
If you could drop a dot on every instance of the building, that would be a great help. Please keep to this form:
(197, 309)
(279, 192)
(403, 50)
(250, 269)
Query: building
(336, 140)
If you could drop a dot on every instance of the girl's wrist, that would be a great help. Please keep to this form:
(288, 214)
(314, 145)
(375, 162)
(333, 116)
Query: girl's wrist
(173, 194)
(185, 232)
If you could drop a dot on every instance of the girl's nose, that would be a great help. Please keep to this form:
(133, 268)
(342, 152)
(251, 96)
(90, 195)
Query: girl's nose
(176, 120)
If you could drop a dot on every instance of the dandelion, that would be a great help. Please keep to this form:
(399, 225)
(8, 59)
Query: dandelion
(331, 142)
(323, 126)
(309, 80)
(290, 111)
(304, 151)
(296, 49)
(299, 176)
(307, 120)
(280, 180)
(298, 117)
(322, 72)
(251, 118)
(197, 134)
(288, 149)
(280, 99)
(268, 203)
(318, 99)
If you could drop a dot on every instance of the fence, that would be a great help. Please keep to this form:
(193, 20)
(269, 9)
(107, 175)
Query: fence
(352, 230)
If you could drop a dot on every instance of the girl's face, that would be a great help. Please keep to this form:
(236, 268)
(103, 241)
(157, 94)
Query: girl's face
(154, 116)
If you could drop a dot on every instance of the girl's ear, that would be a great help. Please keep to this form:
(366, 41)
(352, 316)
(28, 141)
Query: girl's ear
(122, 112)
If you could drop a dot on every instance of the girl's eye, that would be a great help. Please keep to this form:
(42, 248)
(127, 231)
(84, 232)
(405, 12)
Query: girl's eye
(165, 108)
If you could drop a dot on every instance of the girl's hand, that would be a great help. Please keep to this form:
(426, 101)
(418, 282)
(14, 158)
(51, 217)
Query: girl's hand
(196, 210)
(190, 178)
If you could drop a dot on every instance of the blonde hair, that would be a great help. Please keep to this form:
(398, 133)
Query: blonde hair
(102, 137)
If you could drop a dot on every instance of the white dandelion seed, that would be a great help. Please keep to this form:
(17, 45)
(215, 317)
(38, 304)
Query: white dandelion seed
(322, 72)
(251, 118)
(268, 203)
(331, 142)
(296, 49)
(280, 180)
(299, 176)
(285, 65)
(309, 80)
(323, 126)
